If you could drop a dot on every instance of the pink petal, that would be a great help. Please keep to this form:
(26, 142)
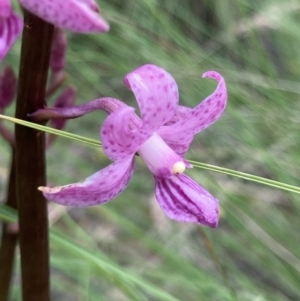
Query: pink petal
(120, 136)
(10, 29)
(156, 93)
(180, 134)
(5, 8)
(166, 132)
(179, 146)
(97, 189)
(180, 113)
(206, 113)
(184, 200)
(74, 15)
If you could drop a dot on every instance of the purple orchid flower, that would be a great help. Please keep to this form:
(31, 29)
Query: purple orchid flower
(75, 15)
(161, 138)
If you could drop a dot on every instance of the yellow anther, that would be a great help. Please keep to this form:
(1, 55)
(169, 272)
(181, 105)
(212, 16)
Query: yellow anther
(178, 167)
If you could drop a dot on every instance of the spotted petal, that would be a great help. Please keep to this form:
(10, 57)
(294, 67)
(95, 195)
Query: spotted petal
(74, 15)
(180, 113)
(206, 113)
(10, 29)
(156, 93)
(182, 199)
(97, 189)
(119, 134)
(180, 134)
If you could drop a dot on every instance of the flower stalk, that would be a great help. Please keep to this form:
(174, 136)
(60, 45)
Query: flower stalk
(30, 159)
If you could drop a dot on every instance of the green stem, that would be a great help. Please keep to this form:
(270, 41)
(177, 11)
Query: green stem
(30, 160)
(9, 239)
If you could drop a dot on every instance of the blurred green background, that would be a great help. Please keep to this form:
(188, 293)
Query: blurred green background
(127, 249)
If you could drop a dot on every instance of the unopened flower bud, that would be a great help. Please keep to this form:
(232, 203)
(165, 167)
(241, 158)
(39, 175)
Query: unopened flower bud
(11, 26)
(8, 87)
(65, 99)
(58, 51)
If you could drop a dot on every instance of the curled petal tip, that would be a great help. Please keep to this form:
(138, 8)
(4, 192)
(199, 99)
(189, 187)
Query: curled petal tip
(180, 134)
(213, 74)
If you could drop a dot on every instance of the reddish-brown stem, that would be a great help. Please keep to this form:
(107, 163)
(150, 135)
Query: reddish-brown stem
(30, 160)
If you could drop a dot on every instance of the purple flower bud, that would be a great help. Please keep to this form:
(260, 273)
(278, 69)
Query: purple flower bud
(58, 50)
(65, 99)
(11, 26)
(8, 87)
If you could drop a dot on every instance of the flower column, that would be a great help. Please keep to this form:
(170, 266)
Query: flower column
(30, 159)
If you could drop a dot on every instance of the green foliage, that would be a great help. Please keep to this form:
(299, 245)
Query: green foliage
(127, 249)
